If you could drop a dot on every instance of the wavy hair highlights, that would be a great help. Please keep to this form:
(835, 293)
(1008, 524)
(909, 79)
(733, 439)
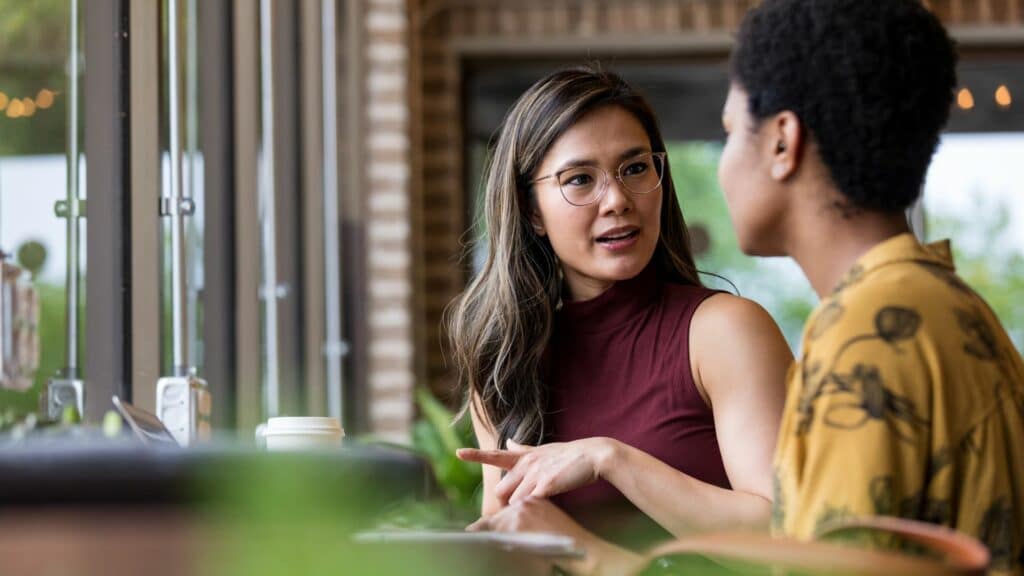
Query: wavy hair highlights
(499, 327)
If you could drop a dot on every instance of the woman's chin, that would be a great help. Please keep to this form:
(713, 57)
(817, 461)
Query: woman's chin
(624, 268)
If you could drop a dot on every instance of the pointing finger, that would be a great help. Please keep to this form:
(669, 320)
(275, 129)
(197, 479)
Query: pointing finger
(500, 458)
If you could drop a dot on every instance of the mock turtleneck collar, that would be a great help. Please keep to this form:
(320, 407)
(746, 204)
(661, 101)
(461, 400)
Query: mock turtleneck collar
(615, 306)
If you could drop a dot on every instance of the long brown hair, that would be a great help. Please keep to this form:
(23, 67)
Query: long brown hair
(499, 327)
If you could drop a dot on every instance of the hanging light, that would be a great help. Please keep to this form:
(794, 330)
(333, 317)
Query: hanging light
(964, 99)
(29, 107)
(4, 100)
(15, 109)
(44, 99)
(1003, 97)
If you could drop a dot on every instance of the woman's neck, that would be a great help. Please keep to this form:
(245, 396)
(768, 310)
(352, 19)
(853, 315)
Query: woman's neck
(581, 288)
(827, 244)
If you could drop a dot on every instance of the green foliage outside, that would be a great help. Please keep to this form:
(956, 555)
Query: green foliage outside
(436, 436)
(32, 257)
(33, 53)
(987, 259)
(36, 29)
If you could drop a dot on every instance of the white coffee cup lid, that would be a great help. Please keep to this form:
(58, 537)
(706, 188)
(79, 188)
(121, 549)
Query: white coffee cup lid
(303, 424)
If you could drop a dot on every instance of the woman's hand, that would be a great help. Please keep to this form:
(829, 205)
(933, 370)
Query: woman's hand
(532, 515)
(540, 515)
(546, 470)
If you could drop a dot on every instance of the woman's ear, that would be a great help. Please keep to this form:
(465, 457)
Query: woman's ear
(537, 222)
(785, 138)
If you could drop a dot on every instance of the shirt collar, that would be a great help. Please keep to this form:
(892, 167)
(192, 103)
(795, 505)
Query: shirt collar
(902, 248)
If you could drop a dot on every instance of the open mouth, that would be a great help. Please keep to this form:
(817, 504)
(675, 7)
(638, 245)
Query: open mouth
(619, 237)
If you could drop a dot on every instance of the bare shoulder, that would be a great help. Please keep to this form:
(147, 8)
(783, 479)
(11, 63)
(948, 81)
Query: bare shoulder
(724, 315)
(732, 338)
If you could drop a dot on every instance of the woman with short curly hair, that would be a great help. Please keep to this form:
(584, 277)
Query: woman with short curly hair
(909, 397)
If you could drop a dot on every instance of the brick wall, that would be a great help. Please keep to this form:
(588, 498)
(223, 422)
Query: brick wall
(417, 208)
(979, 12)
(386, 151)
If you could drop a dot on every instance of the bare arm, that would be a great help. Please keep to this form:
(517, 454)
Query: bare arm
(739, 359)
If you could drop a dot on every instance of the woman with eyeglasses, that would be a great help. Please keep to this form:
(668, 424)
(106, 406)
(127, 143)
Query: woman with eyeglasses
(625, 401)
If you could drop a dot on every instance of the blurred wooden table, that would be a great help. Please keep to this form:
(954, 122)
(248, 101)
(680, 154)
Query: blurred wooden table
(93, 541)
(58, 540)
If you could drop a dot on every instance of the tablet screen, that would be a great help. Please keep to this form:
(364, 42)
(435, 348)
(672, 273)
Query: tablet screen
(541, 544)
(145, 425)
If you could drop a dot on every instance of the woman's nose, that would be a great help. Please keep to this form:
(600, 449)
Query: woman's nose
(617, 199)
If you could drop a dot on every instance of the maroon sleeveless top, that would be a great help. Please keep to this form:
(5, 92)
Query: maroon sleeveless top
(619, 366)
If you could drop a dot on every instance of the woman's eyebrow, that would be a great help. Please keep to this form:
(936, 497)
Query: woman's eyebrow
(634, 151)
(577, 162)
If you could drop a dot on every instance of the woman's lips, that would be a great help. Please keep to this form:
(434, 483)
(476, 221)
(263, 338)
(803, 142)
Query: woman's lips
(621, 241)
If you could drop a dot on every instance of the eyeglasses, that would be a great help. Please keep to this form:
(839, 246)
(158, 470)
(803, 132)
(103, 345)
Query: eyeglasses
(584, 185)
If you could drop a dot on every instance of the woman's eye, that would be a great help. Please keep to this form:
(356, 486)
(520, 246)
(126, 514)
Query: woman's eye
(577, 180)
(635, 168)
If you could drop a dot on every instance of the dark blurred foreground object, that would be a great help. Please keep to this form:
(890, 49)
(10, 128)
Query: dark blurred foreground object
(114, 507)
(89, 472)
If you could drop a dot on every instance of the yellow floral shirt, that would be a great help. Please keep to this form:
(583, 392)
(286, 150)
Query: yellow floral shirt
(908, 401)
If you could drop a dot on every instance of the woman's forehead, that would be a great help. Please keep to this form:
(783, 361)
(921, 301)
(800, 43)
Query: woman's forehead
(602, 134)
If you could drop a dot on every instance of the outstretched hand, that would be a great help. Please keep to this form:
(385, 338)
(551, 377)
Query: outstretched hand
(543, 471)
(540, 515)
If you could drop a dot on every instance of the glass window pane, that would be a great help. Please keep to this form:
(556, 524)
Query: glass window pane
(35, 91)
(191, 186)
(974, 192)
(975, 195)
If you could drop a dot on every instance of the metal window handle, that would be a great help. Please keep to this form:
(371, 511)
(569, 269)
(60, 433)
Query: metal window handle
(177, 207)
(336, 349)
(277, 292)
(70, 208)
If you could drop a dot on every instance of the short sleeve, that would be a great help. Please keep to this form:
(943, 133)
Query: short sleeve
(856, 438)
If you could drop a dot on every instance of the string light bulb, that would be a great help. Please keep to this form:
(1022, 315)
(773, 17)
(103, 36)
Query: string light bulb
(15, 109)
(964, 99)
(44, 99)
(1003, 97)
(30, 107)
(4, 100)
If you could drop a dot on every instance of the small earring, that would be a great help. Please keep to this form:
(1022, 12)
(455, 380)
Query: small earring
(778, 171)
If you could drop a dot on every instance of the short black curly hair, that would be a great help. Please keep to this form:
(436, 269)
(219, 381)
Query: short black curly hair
(872, 81)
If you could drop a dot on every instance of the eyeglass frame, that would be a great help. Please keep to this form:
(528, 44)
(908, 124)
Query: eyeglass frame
(618, 176)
